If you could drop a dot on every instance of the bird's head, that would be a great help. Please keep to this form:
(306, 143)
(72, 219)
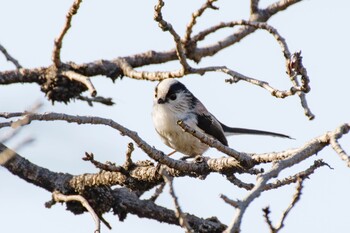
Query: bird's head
(173, 95)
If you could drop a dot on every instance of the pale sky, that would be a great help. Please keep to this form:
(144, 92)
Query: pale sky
(108, 29)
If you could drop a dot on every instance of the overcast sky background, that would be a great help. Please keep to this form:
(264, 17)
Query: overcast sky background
(108, 29)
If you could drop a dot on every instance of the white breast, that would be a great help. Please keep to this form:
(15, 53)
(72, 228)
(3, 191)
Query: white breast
(165, 123)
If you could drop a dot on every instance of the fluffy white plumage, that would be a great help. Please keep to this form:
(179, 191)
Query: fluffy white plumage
(173, 102)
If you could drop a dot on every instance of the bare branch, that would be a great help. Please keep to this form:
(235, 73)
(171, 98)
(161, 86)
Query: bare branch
(16, 128)
(295, 199)
(293, 179)
(103, 166)
(59, 197)
(267, 212)
(121, 197)
(200, 168)
(310, 148)
(229, 201)
(146, 75)
(279, 183)
(278, 6)
(165, 26)
(340, 151)
(296, 68)
(254, 7)
(244, 159)
(158, 191)
(179, 214)
(236, 77)
(256, 25)
(208, 4)
(9, 57)
(96, 99)
(234, 180)
(56, 57)
(82, 79)
(128, 162)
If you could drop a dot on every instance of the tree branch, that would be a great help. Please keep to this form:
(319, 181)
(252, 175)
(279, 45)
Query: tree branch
(121, 200)
(309, 149)
(179, 214)
(9, 57)
(56, 57)
(59, 197)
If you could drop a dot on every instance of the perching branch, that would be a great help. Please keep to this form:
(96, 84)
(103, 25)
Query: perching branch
(66, 81)
(121, 200)
(200, 168)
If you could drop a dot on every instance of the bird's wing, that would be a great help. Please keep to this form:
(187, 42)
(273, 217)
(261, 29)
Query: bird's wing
(211, 126)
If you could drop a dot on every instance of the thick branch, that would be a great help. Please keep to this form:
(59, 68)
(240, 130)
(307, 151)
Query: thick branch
(122, 199)
(112, 69)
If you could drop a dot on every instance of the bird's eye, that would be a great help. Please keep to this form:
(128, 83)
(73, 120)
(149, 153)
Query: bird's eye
(172, 96)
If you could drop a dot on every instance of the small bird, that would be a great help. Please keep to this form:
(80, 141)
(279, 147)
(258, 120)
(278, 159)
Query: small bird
(173, 102)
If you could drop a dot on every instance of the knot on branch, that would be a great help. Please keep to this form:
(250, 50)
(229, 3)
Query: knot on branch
(58, 87)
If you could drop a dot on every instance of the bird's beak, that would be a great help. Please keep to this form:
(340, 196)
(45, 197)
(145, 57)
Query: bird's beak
(161, 101)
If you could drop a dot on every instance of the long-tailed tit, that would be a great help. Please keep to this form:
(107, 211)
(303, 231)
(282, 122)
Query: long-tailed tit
(173, 102)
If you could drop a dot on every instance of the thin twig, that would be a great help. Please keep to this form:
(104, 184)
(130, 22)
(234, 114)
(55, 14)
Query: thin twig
(208, 4)
(96, 99)
(158, 191)
(179, 214)
(340, 151)
(16, 128)
(236, 77)
(293, 179)
(230, 201)
(165, 26)
(82, 79)
(295, 199)
(128, 162)
(266, 215)
(59, 197)
(103, 166)
(296, 68)
(9, 57)
(256, 25)
(237, 182)
(58, 41)
(279, 183)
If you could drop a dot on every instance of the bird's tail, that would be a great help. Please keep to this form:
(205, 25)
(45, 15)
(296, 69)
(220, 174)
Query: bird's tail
(231, 131)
